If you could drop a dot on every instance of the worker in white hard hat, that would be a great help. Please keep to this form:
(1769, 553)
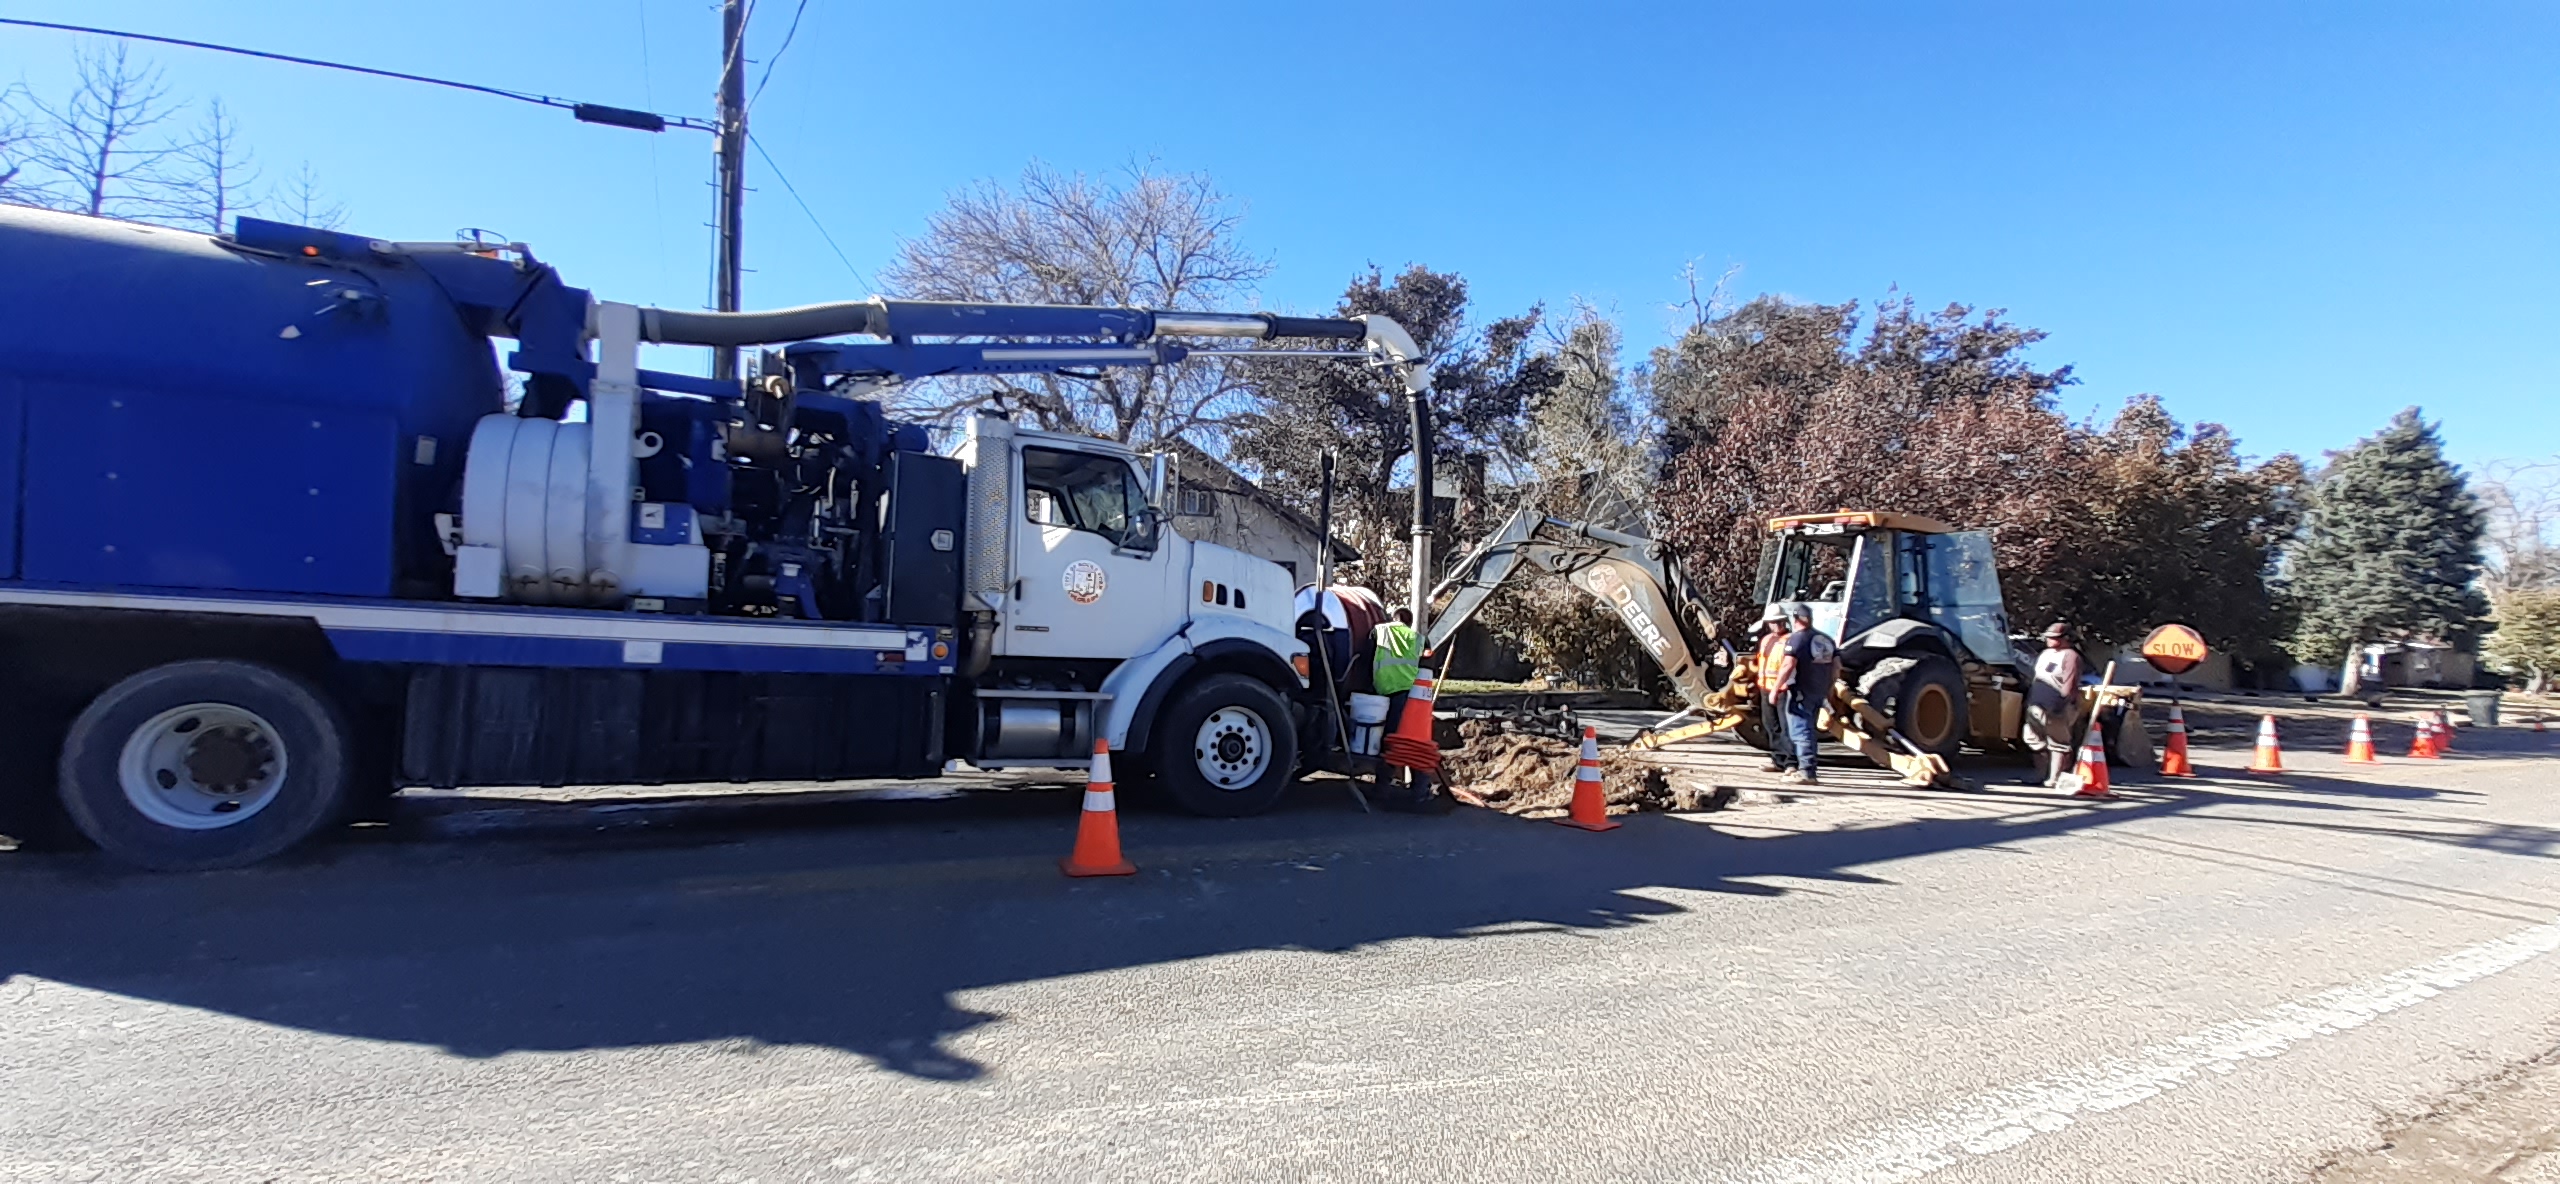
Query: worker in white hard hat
(1807, 664)
(1773, 714)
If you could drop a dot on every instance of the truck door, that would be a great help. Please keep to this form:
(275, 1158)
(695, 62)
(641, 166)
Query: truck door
(1090, 572)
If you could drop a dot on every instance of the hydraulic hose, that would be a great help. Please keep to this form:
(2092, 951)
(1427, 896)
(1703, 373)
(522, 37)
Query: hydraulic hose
(805, 323)
(935, 318)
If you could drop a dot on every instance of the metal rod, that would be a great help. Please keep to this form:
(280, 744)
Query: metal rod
(731, 161)
(1421, 581)
(1324, 525)
(1279, 353)
(1333, 705)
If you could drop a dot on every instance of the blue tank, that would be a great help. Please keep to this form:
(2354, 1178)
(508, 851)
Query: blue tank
(179, 410)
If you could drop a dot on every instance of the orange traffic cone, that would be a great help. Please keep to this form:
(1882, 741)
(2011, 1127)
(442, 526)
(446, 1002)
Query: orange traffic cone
(1590, 798)
(1097, 850)
(2537, 721)
(2444, 732)
(2424, 743)
(2173, 759)
(2092, 769)
(1412, 745)
(2360, 741)
(2270, 755)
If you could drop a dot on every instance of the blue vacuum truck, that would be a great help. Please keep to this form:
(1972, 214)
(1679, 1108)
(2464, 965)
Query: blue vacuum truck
(277, 544)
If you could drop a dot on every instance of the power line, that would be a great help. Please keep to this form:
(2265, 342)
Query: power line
(657, 202)
(821, 227)
(787, 35)
(586, 112)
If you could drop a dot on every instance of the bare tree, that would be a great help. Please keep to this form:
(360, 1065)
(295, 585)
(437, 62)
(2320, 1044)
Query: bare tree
(2523, 501)
(13, 149)
(214, 173)
(301, 201)
(1148, 239)
(1590, 451)
(90, 149)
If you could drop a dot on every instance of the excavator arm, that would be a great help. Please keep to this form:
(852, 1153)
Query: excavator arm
(1635, 578)
(1627, 572)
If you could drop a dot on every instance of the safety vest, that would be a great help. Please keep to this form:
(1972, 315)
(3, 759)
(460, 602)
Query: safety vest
(1773, 646)
(1398, 660)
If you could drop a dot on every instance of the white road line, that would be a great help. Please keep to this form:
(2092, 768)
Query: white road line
(2000, 1119)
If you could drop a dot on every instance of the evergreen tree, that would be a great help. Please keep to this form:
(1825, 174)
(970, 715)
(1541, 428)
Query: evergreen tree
(2390, 547)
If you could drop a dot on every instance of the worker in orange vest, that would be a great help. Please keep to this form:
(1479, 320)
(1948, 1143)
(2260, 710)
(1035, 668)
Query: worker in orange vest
(1773, 715)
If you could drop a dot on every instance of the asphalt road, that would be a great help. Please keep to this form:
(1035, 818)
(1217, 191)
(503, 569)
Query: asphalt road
(2214, 980)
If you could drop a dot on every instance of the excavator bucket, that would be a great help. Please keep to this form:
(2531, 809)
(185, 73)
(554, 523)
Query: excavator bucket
(1850, 721)
(1856, 723)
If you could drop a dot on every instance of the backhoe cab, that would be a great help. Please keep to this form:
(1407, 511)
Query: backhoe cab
(1915, 605)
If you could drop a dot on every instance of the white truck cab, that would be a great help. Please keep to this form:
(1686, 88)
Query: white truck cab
(1091, 617)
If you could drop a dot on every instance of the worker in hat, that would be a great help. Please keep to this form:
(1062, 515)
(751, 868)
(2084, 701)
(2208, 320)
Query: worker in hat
(1807, 663)
(1773, 715)
(2053, 706)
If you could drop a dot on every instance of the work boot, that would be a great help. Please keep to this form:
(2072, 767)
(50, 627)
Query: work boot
(1411, 802)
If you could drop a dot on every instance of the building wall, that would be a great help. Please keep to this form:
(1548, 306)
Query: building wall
(1238, 521)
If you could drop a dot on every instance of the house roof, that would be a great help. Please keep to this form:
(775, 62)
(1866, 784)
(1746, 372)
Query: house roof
(1200, 468)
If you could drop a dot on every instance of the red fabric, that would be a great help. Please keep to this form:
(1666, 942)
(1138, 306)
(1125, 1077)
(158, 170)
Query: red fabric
(1413, 754)
(1422, 753)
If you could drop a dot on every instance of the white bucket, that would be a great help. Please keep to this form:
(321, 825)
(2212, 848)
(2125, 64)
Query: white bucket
(1368, 709)
(1367, 738)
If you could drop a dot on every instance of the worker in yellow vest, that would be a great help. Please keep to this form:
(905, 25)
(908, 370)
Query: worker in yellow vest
(1397, 656)
(1395, 662)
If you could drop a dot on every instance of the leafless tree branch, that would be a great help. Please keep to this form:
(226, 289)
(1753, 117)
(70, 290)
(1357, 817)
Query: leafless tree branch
(90, 149)
(215, 173)
(1147, 239)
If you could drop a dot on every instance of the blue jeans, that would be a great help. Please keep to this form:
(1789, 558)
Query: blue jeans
(1801, 711)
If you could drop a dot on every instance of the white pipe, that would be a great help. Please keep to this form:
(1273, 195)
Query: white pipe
(1390, 343)
(613, 419)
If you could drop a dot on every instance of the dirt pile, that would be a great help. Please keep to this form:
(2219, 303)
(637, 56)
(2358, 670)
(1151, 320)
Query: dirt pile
(1533, 775)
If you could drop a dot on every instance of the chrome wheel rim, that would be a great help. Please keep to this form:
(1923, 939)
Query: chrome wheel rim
(1232, 748)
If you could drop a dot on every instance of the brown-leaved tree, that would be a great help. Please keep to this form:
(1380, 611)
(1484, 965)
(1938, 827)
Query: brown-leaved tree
(1778, 407)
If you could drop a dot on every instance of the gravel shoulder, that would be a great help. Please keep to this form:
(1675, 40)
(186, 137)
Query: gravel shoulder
(2504, 1129)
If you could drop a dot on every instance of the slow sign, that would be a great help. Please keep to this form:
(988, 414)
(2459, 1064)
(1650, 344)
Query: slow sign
(2173, 649)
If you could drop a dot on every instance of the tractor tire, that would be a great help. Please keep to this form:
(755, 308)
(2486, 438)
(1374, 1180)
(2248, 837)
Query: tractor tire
(1225, 748)
(1924, 696)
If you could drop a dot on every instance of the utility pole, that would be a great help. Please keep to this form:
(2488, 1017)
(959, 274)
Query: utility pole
(732, 169)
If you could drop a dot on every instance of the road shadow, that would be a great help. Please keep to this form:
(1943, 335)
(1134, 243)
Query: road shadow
(865, 930)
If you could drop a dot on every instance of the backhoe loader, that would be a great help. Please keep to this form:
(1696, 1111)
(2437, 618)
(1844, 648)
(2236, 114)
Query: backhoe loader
(1926, 660)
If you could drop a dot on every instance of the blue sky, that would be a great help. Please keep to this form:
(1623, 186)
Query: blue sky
(2290, 218)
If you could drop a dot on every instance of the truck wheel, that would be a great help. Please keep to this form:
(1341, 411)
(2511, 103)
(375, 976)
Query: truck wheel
(205, 764)
(1924, 696)
(1225, 748)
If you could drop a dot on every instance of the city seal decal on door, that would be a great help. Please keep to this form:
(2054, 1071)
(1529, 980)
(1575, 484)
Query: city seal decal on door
(1084, 581)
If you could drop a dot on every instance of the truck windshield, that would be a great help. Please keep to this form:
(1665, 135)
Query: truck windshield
(1086, 491)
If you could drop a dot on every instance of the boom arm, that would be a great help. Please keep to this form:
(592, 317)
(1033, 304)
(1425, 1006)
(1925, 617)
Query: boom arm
(1031, 338)
(1627, 572)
